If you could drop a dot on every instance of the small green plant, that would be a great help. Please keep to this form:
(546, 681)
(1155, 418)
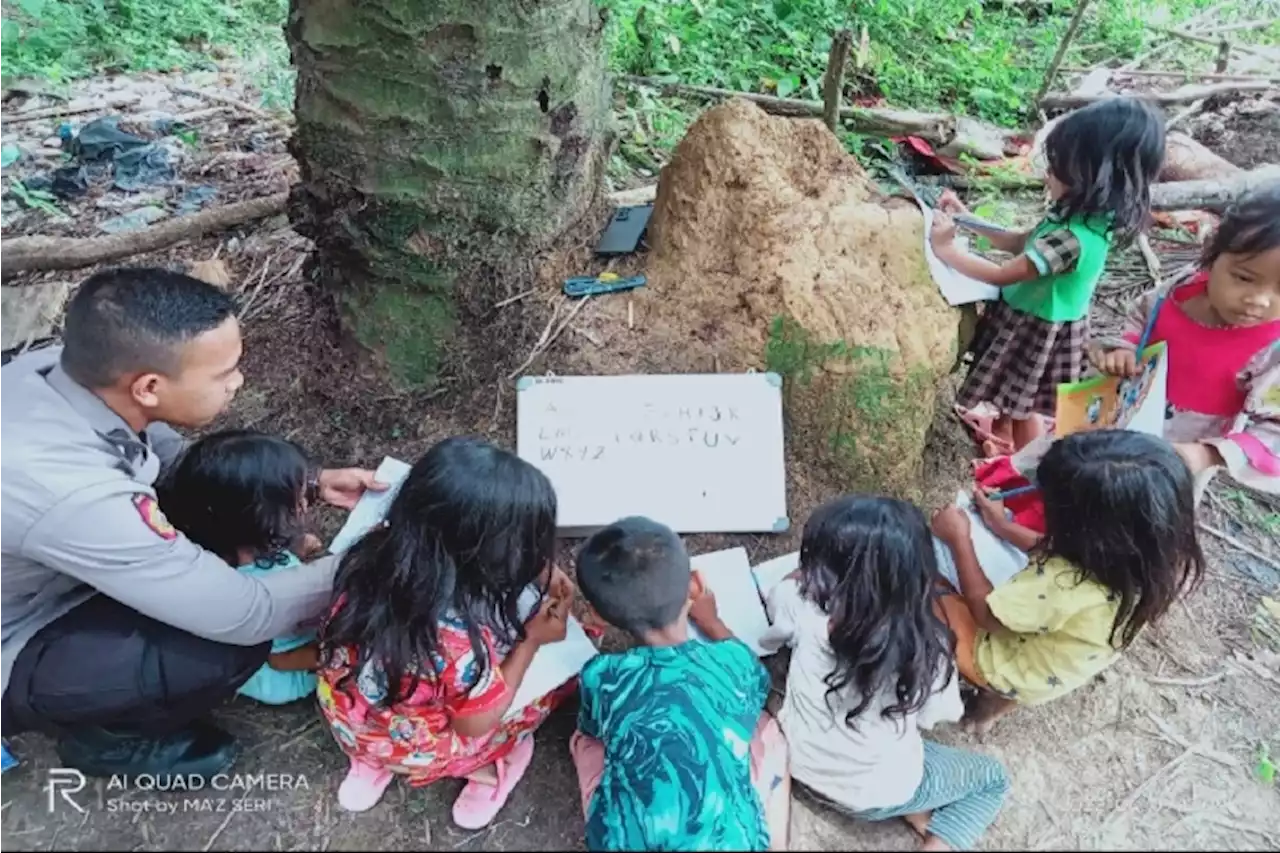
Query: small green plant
(1265, 767)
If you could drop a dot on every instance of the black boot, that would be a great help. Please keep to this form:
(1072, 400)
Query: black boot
(201, 749)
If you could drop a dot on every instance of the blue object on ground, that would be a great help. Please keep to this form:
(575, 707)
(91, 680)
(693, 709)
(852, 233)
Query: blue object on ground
(7, 761)
(591, 285)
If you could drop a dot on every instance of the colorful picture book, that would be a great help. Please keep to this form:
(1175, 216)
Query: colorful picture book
(1110, 402)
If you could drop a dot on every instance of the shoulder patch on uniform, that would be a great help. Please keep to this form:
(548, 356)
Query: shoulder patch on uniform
(152, 517)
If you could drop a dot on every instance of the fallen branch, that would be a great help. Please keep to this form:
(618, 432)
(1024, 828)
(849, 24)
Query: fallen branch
(1212, 195)
(1189, 76)
(23, 254)
(833, 83)
(1194, 39)
(220, 98)
(1242, 546)
(938, 128)
(70, 110)
(1237, 27)
(1186, 95)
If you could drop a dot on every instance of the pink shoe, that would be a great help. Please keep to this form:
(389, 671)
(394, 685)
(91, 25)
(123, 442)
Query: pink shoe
(479, 804)
(363, 787)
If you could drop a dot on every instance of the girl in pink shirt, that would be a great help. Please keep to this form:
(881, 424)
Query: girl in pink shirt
(1222, 326)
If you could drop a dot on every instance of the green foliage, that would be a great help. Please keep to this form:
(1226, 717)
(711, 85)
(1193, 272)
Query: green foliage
(61, 40)
(981, 57)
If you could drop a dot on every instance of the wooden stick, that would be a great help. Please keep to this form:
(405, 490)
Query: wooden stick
(219, 98)
(22, 254)
(1182, 96)
(1224, 57)
(1076, 19)
(834, 80)
(938, 128)
(1190, 682)
(1242, 546)
(1237, 27)
(1174, 75)
(69, 110)
(1243, 48)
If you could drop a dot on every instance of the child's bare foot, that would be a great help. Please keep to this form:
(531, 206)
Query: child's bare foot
(982, 711)
(933, 842)
(919, 822)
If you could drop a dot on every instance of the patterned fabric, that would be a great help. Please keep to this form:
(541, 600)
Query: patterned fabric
(1054, 252)
(415, 738)
(1020, 360)
(267, 685)
(768, 761)
(676, 723)
(1056, 636)
(963, 792)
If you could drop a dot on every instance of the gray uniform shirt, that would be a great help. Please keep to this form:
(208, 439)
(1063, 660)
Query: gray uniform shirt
(78, 516)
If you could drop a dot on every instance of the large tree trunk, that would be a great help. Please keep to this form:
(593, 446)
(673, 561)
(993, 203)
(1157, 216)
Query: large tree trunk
(441, 143)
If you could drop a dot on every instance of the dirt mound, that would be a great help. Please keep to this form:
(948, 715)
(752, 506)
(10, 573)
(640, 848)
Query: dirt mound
(771, 249)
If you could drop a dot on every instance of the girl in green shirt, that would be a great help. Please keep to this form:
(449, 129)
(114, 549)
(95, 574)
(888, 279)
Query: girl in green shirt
(1101, 162)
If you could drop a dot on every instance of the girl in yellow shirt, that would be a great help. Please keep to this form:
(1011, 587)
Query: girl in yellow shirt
(1119, 547)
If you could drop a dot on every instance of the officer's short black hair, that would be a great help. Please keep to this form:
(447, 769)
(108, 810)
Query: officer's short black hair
(635, 573)
(136, 319)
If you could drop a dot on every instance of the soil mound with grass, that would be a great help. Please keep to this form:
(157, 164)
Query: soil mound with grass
(771, 249)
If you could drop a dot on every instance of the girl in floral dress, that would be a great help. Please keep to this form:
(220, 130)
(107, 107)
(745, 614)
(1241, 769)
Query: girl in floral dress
(426, 646)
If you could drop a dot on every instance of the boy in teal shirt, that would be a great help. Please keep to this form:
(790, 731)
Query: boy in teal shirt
(674, 750)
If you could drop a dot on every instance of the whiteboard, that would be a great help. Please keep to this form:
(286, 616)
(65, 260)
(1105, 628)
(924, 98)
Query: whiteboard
(700, 453)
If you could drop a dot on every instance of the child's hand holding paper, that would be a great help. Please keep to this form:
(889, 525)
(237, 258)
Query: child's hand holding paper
(704, 615)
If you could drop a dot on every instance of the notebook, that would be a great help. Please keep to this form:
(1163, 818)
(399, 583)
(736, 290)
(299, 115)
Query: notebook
(553, 664)
(728, 574)
(999, 560)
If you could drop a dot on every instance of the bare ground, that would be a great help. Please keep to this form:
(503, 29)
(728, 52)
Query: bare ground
(1158, 753)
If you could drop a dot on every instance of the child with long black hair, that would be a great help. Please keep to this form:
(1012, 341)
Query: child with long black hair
(1222, 326)
(242, 495)
(871, 667)
(1101, 162)
(1119, 547)
(425, 646)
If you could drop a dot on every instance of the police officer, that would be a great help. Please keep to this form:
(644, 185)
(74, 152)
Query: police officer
(119, 635)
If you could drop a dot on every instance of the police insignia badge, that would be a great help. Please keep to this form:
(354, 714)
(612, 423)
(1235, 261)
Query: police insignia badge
(153, 518)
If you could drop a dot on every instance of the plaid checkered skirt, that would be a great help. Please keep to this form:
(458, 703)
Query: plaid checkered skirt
(1020, 360)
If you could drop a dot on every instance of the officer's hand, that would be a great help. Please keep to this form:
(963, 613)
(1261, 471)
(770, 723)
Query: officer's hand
(342, 487)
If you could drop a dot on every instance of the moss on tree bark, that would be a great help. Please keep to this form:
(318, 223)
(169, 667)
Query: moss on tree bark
(440, 142)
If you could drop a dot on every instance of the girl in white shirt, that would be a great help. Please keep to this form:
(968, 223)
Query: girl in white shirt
(873, 665)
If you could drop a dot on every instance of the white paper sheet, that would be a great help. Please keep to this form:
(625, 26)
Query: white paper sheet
(372, 506)
(771, 572)
(552, 665)
(999, 559)
(728, 574)
(957, 289)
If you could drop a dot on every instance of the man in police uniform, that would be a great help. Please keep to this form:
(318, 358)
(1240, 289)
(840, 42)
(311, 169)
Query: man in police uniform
(119, 635)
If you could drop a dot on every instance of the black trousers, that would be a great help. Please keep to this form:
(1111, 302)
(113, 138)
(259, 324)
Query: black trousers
(104, 664)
